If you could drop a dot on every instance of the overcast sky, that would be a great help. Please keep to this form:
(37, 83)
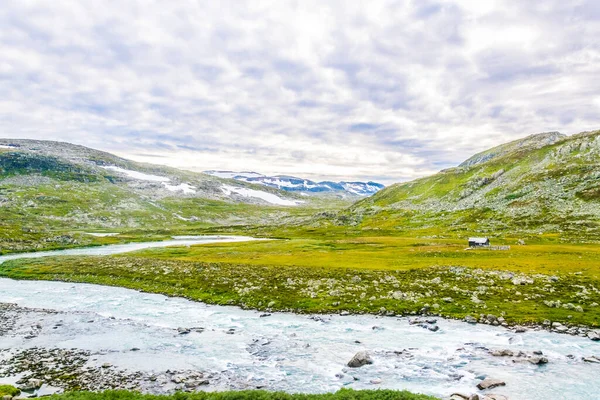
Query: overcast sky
(380, 90)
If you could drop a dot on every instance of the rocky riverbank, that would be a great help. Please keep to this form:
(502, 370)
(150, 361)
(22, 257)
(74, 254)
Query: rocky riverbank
(53, 370)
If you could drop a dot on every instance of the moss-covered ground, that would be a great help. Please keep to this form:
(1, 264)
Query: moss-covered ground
(401, 275)
(9, 390)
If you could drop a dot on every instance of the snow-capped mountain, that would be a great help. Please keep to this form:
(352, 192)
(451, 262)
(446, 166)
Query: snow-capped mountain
(294, 184)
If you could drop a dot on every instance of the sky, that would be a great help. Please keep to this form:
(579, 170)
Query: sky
(344, 90)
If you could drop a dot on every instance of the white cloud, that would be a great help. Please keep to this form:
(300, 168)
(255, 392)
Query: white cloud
(385, 90)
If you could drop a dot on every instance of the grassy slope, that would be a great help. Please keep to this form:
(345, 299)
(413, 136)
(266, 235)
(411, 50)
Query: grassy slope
(553, 189)
(48, 202)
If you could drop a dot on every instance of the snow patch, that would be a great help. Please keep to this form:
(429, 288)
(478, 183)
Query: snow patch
(101, 234)
(268, 197)
(183, 187)
(138, 175)
(232, 174)
(2, 146)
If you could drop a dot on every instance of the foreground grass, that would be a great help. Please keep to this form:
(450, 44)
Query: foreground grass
(8, 390)
(344, 394)
(527, 284)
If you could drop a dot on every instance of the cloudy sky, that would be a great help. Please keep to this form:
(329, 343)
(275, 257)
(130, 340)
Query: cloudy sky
(381, 90)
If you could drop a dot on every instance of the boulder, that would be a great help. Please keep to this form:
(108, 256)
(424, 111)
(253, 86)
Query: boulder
(31, 384)
(470, 320)
(459, 396)
(593, 335)
(492, 396)
(592, 359)
(360, 359)
(537, 360)
(502, 353)
(489, 383)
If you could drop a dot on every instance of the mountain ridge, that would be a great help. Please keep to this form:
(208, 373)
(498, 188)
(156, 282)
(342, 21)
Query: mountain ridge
(295, 184)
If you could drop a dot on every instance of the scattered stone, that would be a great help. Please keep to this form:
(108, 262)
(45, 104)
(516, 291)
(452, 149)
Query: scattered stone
(376, 381)
(30, 385)
(470, 320)
(360, 359)
(489, 383)
(592, 359)
(502, 353)
(183, 331)
(520, 329)
(492, 396)
(459, 396)
(537, 360)
(593, 335)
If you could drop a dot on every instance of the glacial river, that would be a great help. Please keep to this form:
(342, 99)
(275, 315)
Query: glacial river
(297, 353)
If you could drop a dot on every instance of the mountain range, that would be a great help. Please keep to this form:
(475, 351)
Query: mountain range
(301, 185)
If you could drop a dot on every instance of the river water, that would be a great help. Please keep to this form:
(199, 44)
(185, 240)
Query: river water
(128, 247)
(299, 353)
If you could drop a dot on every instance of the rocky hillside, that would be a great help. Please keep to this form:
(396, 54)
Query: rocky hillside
(64, 161)
(545, 183)
(49, 188)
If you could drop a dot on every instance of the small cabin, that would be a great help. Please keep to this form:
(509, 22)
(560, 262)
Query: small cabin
(479, 242)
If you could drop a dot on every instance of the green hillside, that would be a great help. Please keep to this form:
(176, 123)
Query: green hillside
(52, 195)
(544, 184)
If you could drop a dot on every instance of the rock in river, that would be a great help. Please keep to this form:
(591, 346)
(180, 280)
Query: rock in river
(361, 358)
(31, 384)
(491, 396)
(489, 383)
